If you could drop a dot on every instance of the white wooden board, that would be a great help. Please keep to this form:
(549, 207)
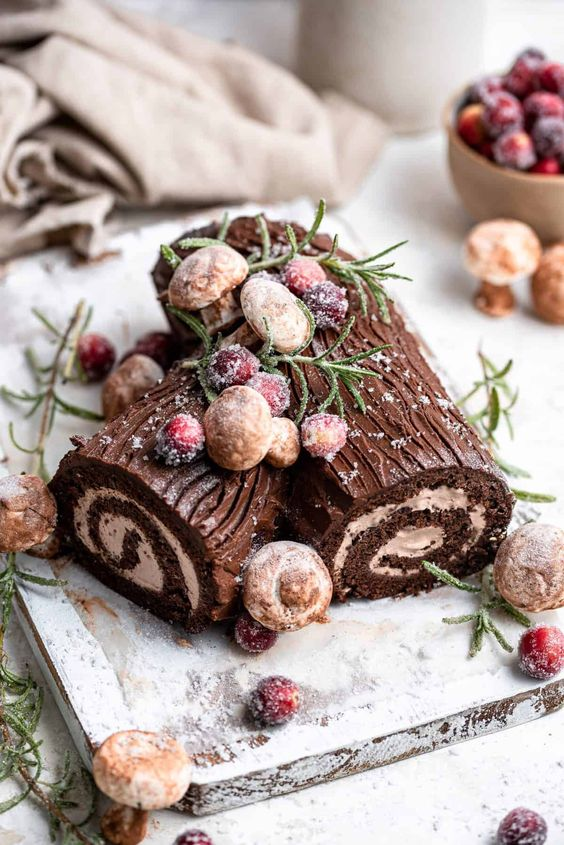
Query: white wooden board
(383, 681)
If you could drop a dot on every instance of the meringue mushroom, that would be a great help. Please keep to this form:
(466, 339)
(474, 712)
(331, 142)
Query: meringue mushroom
(285, 445)
(238, 428)
(270, 308)
(286, 586)
(529, 567)
(547, 286)
(143, 770)
(206, 276)
(28, 512)
(498, 252)
(134, 377)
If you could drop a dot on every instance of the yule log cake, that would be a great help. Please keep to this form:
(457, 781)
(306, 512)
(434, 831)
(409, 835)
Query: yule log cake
(360, 455)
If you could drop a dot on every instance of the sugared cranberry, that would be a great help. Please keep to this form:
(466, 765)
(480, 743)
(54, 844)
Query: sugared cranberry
(275, 700)
(548, 136)
(541, 652)
(323, 435)
(546, 167)
(329, 305)
(252, 636)
(542, 104)
(484, 88)
(159, 346)
(193, 837)
(502, 112)
(96, 356)
(180, 440)
(274, 389)
(515, 150)
(534, 53)
(522, 79)
(302, 273)
(522, 827)
(231, 365)
(470, 125)
(551, 77)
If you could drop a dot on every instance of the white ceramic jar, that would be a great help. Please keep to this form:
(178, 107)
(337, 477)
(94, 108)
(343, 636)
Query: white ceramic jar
(400, 58)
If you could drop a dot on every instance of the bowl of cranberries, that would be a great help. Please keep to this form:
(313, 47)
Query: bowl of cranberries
(506, 144)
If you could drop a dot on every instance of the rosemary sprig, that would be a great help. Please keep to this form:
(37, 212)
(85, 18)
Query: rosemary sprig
(490, 600)
(494, 388)
(47, 378)
(21, 701)
(200, 365)
(361, 274)
(339, 371)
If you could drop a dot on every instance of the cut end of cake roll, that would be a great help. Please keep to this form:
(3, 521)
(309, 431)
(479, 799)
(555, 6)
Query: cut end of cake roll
(171, 539)
(455, 518)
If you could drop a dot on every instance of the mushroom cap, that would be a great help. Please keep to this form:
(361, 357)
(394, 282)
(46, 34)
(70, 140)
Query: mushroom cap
(529, 567)
(142, 769)
(501, 251)
(286, 586)
(547, 286)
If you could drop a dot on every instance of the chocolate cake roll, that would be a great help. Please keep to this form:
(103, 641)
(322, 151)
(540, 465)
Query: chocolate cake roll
(414, 480)
(171, 539)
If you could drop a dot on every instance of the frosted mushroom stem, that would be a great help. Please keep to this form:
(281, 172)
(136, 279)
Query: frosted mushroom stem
(495, 300)
(139, 771)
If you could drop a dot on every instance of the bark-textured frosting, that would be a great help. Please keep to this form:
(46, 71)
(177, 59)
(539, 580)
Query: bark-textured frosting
(413, 481)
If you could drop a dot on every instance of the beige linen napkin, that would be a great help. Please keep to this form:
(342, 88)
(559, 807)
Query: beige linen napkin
(102, 108)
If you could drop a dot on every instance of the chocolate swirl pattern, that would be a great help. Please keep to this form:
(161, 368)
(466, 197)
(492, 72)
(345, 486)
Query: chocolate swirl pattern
(413, 481)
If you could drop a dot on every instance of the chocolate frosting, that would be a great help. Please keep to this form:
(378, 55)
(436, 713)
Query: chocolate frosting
(412, 438)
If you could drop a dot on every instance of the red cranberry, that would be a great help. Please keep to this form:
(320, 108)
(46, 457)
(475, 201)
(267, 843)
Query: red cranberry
(193, 837)
(323, 435)
(180, 440)
(502, 112)
(275, 700)
(484, 88)
(551, 77)
(329, 305)
(159, 346)
(231, 365)
(522, 79)
(96, 356)
(515, 150)
(542, 104)
(548, 135)
(522, 827)
(470, 125)
(302, 273)
(252, 636)
(546, 167)
(541, 652)
(274, 389)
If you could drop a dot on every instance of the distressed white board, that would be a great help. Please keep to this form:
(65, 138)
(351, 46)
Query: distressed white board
(383, 681)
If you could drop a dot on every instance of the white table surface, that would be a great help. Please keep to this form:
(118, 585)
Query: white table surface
(459, 794)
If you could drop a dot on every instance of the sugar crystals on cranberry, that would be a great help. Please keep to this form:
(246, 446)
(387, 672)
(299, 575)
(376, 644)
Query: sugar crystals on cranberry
(328, 303)
(274, 389)
(180, 439)
(232, 365)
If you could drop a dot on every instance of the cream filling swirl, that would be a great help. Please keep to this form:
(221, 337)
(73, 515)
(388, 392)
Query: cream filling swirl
(114, 528)
(410, 541)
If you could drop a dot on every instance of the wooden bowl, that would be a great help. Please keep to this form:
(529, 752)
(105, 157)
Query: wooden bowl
(488, 190)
